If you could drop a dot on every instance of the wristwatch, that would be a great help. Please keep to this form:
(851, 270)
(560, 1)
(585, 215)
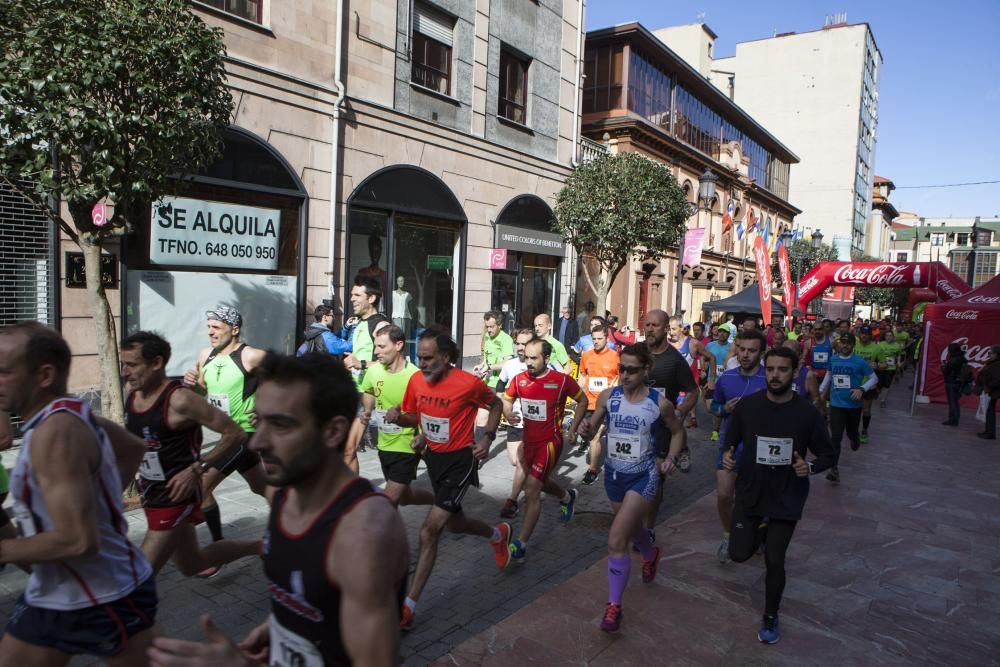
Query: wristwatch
(812, 470)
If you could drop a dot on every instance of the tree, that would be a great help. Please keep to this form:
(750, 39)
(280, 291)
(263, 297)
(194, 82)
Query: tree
(106, 100)
(616, 207)
(884, 297)
(802, 257)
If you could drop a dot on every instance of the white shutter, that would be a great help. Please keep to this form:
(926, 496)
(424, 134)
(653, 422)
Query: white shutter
(432, 23)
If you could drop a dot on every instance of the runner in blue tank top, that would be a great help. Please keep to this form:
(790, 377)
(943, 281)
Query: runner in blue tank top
(631, 470)
(844, 386)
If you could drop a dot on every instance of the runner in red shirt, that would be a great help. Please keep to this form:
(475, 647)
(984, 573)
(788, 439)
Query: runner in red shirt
(543, 393)
(443, 400)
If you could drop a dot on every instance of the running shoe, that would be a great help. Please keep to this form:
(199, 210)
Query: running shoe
(723, 551)
(692, 422)
(590, 476)
(208, 572)
(715, 436)
(517, 551)
(684, 461)
(501, 548)
(509, 510)
(581, 449)
(406, 620)
(649, 567)
(833, 475)
(856, 445)
(864, 438)
(768, 633)
(612, 618)
(566, 509)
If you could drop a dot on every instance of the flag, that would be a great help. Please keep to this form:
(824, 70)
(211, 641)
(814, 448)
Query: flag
(727, 219)
(741, 225)
(770, 238)
(766, 232)
(787, 288)
(693, 240)
(751, 220)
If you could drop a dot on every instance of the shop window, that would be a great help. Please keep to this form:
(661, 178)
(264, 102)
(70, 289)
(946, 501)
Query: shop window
(513, 98)
(432, 45)
(249, 10)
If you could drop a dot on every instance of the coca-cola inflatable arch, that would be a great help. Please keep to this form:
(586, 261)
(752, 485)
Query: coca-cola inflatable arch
(932, 275)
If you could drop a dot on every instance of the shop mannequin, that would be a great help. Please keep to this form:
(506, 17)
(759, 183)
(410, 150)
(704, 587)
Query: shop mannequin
(402, 307)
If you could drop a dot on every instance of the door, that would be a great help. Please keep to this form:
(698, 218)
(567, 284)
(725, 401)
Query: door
(539, 277)
(504, 299)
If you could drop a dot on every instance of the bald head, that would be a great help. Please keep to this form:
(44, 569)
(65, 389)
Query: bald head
(657, 316)
(543, 325)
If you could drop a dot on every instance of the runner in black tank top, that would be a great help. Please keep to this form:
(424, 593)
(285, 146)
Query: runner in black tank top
(305, 604)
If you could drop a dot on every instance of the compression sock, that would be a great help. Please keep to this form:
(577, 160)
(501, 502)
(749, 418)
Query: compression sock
(865, 421)
(643, 542)
(618, 571)
(214, 521)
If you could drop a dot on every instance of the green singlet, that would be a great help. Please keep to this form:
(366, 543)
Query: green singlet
(496, 350)
(871, 352)
(388, 389)
(230, 387)
(891, 353)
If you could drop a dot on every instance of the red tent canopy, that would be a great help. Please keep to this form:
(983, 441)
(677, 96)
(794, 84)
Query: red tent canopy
(971, 320)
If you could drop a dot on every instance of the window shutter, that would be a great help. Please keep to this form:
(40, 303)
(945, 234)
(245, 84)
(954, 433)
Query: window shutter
(434, 24)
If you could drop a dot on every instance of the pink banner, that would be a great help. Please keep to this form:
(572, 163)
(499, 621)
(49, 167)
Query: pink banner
(763, 260)
(786, 280)
(693, 241)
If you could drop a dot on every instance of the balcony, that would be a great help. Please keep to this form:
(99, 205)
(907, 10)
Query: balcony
(590, 150)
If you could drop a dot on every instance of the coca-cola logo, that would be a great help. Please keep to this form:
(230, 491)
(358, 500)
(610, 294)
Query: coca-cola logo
(962, 314)
(952, 291)
(765, 284)
(975, 354)
(883, 275)
(808, 285)
(979, 298)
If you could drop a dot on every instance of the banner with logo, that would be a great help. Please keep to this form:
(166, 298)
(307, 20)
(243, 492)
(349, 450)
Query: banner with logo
(786, 279)
(693, 241)
(881, 274)
(763, 260)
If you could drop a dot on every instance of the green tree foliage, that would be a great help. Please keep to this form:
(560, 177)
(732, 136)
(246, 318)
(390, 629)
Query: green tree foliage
(107, 99)
(616, 207)
(884, 297)
(802, 258)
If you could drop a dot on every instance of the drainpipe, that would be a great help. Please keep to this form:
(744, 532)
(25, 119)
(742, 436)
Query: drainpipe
(335, 146)
(574, 160)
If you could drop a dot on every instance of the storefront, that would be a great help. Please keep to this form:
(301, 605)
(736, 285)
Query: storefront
(233, 236)
(406, 229)
(526, 262)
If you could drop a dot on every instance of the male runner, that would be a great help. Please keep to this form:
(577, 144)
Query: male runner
(382, 388)
(598, 371)
(225, 373)
(844, 387)
(335, 553)
(871, 352)
(365, 295)
(806, 384)
(632, 473)
(91, 591)
(892, 351)
(443, 400)
(169, 418)
(543, 393)
(543, 329)
(905, 341)
(587, 342)
(720, 349)
(772, 478)
(695, 354)
(515, 435)
(734, 386)
(820, 351)
(497, 347)
(670, 375)
(698, 333)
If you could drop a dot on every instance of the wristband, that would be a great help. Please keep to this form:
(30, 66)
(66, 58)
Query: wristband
(492, 435)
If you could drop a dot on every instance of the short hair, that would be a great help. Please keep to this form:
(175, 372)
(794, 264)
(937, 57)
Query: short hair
(524, 331)
(599, 329)
(442, 338)
(372, 287)
(546, 345)
(548, 318)
(492, 315)
(827, 320)
(395, 334)
(674, 320)
(638, 350)
(848, 338)
(332, 392)
(45, 346)
(151, 345)
(603, 321)
(784, 353)
(321, 311)
(699, 324)
(752, 334)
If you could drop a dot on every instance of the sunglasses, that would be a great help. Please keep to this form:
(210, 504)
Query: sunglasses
(629, 370)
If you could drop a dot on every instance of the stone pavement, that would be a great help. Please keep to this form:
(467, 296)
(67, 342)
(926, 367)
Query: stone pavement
(898, 565)
(466, 593)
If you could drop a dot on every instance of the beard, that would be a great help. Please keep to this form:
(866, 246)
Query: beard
(780, 388)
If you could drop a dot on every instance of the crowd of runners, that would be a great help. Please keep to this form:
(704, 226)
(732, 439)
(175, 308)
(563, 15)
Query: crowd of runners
(335, 546)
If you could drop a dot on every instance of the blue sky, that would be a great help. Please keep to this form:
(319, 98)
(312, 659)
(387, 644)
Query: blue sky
(939, 105)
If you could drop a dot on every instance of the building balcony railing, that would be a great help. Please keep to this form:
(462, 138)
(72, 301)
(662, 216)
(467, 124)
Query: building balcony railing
(590, 149)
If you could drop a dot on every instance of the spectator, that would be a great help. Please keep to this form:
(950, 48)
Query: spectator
(957, 374)
(989, 381)
(567, 331)
(319, 336)
(621, 337)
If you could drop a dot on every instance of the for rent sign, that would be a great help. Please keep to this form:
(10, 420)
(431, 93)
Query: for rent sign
(194, 232)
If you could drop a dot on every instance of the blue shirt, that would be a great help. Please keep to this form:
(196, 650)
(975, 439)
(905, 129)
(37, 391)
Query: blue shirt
(733, 384)
(719, 352)
(587, 343)
(847, 374)
(821, 353)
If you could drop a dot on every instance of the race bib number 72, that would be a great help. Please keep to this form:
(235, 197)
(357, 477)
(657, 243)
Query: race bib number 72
(774, 451)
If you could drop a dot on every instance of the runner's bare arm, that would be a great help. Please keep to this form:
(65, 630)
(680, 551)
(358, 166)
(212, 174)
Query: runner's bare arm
(710, 358)
(193, 377)
(482, 448)
(395, 415)
(676, 428)
(368, 560)
(64, 457)
(812, 388)
(128, 450)
(6, 435)
(216, 651)
(578, 412)
(367, 404)
(690, 401)
(591, 426)
(508, 410)
(252, 357)
(191, 408)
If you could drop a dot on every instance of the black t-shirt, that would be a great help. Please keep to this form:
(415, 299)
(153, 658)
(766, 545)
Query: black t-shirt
(771, 432)
(671, 373)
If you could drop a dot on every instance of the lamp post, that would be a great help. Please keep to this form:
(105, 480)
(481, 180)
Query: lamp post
(706, 192)
(817, 239)
(971, 261)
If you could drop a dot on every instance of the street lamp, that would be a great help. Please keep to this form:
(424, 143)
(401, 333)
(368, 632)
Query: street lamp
(971, 261)
(706, 192)
(817, 239)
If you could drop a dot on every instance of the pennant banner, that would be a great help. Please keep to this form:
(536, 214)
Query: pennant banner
(787, 288)
(763, 261)
(693, 241)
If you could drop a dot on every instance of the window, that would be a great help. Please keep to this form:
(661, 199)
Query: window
(962, 239)
(604, 74)
(986, 266)
(513, 98)
(937, 239)
(902, 257)
(432, 42)
(251, 10)
(649, 91)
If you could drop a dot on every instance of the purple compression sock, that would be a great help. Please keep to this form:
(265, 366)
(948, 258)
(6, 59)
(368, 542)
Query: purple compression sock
(643, 541)
(618, 570)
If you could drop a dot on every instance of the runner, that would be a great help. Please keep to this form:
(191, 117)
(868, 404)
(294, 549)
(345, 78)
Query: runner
(443, 400)
(543, 394)
(892, 352)
(225, 372)
(734, 386)
(335, 553)
(511, 369)
(91, 591)
(697, 356)
(497, 348)
(543, 329)
(906, 341)
(820, 351)
(772, 482)
(720, 349)
(844, 387)
(169, 418)
(598, 371)
(698, 333)
(632, 474)
(382, 388)
(872, 353)
(7, 528)
(587, 342)
(779, 337)
(806, 384)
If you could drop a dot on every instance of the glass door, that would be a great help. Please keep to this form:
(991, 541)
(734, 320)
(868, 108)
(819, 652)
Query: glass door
(504, 299)
(539, 274)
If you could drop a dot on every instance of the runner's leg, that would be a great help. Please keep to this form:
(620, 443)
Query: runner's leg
(158, 546)
(190, 559)
(779, 535)
(134, 653)
(256, 480)
(13, 651)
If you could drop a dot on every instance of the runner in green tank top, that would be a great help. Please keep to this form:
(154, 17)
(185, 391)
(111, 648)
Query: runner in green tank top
(365, 295)
(382, 388)
(872, 353)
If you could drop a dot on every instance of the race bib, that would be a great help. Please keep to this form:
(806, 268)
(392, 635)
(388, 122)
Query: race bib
(25, 520)
(220, 401)
(890, 363)
(378, 419)
(290, 650)
(624, 448)
(436, 429)
(151, 469)
(720, 369)
(820, 356)
(841, 381)
(535, 410)
(598, 385)
(774, 451)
